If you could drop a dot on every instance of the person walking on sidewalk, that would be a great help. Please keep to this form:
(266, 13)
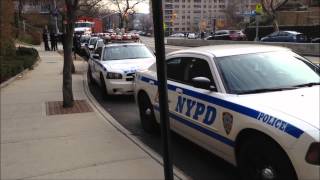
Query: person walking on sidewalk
(45, 39)
(53, 41)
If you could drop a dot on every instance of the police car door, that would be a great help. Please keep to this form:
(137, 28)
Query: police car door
(97, 64)
(193, 115)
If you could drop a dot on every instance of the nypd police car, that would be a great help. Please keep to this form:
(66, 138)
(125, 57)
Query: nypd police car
(113, 66)
(255, 106)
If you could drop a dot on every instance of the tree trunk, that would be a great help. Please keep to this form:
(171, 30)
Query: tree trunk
(120, 21)
(68, 100)
(275, 24)
(67, 76)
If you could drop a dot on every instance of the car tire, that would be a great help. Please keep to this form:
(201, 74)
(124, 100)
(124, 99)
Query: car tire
(103, 87)
(260, 158)
(89, 76)
(147, 117)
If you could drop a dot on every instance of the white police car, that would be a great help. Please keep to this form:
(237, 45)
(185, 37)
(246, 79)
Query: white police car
(255, 106)
(113, 66)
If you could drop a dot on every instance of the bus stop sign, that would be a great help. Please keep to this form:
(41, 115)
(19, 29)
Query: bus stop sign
(259, 8)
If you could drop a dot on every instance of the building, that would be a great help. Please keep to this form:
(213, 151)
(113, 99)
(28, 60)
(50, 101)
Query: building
(35, 6)
(200, 15)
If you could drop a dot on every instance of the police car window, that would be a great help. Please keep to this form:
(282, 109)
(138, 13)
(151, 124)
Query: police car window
(98, 51)
(197, 68)
(175, 69)
(122, 52)
(271, 70)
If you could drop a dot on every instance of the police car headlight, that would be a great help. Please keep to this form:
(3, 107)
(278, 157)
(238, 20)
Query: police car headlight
(111, 75)
(313, 154)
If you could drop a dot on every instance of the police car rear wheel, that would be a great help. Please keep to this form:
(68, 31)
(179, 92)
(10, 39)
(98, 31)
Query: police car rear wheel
(262, 159)
(103, 87)
(147, 117)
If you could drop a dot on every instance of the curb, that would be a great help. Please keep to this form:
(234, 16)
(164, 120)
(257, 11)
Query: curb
(12, 79)
(178, 174)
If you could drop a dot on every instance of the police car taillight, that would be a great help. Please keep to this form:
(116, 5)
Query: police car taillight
(313, 154)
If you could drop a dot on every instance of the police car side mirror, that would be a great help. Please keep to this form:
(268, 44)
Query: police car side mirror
(95, 56)
(203, 83)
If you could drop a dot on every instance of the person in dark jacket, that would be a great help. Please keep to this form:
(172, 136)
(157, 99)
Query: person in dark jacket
(53, 41)
(45, 39)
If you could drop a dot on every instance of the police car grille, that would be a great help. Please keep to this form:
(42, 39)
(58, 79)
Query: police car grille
(130, 77)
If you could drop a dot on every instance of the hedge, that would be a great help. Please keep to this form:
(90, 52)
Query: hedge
(12, 65)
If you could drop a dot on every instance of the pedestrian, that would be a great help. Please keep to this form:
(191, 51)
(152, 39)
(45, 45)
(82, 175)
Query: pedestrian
(75, 45)
(53, 41)
(56, 36)
(202, 35)
(45, 39)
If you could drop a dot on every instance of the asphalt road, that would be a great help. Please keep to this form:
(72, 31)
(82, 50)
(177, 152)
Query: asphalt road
(193, 160)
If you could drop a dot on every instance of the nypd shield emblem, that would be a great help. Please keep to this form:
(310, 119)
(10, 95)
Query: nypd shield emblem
(227, 119)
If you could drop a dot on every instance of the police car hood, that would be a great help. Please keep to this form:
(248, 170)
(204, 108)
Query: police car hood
(301, 104)
(128, 65)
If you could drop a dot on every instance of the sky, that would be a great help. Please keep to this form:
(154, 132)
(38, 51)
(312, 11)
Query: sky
(142, 7)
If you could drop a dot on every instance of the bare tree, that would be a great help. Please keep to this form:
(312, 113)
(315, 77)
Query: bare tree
(231, 13)
(271, 7)
(125, 8)
(71, 9)
(146, 22)
(92, 8)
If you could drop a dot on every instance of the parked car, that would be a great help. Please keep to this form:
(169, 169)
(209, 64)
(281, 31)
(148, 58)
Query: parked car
(315, 40)
(235, 35)
(192, 36)
(113, 66)
(255, 106)
(285, 36)
(177, 35)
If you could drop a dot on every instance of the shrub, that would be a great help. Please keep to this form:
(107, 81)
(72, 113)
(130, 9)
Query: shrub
(10, 68)
(14, 64)
(36, 37)
(21, 51)
(30, 37)
(25, 37)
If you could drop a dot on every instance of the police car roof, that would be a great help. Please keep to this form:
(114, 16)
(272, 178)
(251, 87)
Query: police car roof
(122, 43)
(230, 50)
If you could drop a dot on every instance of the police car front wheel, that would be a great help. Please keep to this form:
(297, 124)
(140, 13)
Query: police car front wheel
(260, 158)
(147, 116)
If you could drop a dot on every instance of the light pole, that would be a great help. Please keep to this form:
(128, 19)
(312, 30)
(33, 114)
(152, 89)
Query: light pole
(55, 15)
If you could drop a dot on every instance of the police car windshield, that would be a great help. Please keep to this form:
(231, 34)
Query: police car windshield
(83, 24)
(126, 52)
(93, 41)
(265, 72)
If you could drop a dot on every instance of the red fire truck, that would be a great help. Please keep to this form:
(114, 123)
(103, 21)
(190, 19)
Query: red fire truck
(88, 25)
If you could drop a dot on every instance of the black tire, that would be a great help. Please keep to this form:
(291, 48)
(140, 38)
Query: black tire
(89, 76)
(147, 117)
(260, 158)
(103, 87)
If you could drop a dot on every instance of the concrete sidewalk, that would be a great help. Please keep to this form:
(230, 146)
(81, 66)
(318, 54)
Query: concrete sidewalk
(35, 145)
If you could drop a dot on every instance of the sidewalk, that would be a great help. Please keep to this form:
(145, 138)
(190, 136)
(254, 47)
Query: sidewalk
(35, 145)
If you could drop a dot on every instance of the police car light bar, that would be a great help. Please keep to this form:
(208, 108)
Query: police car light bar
(122, 38)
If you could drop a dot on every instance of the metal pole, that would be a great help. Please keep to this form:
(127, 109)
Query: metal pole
(162, 87)
(24, 25)
(56, 16)
(257, 28)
